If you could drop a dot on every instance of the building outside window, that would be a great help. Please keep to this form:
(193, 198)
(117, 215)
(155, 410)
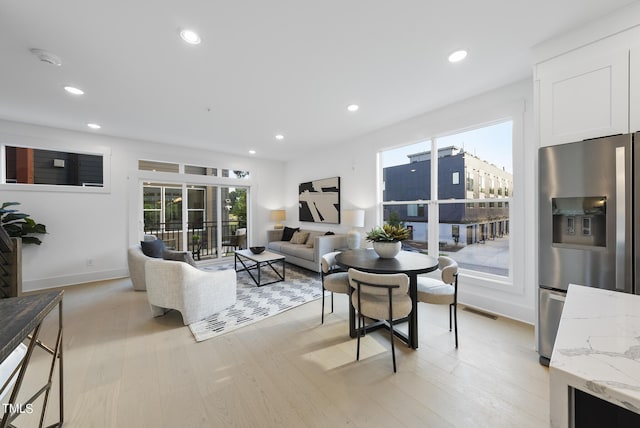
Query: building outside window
(25, 165)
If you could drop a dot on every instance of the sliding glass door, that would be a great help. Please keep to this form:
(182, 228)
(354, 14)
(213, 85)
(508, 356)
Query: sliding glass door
(208, 221)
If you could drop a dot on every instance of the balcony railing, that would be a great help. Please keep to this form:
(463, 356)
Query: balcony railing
(202, 238)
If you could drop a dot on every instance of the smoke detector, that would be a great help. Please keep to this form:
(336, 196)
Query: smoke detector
(47, 57)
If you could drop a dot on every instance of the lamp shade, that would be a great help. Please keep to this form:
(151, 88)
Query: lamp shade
(278, 216)
(353, 218)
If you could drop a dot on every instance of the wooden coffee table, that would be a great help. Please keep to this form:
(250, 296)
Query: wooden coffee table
(250, 262)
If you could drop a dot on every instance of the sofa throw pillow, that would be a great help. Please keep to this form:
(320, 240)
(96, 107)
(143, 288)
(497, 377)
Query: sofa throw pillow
(312, 238)
(153, 248)
(179, 256)
(287, 234)
(299, 237)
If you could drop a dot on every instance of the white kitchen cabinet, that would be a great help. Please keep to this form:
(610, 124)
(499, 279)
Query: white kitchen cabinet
(583, 94)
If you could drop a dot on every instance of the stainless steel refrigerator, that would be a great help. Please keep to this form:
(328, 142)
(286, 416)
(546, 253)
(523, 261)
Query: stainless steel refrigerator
(586, 230)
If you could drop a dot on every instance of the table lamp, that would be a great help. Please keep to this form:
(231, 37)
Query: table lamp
(278, 216)
(353, 218)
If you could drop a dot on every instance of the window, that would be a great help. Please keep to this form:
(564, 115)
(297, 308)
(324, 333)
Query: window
(468, 224)
(162, 207)
(206, 233)
(241, 174)
(200, 170)
(415, 210)
(154, 166)
(26, 165)
(144, 165)
(195, 207)
(172, 208)
(152, 207)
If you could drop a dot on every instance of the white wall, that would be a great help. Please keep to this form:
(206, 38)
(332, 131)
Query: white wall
(356, 163)
(100, 226)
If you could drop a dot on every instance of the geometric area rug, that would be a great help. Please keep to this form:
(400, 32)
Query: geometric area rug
(257, 303)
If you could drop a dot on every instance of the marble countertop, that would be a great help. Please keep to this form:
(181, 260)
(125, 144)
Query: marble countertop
(597, 349)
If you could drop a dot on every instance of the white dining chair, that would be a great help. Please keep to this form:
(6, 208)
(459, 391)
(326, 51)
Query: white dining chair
(334, 278)
(380, 297)
(443, 291)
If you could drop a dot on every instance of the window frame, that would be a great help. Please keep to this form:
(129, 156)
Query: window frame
(483, 177)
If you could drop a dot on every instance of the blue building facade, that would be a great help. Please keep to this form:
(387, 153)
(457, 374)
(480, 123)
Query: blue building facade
(481, 187)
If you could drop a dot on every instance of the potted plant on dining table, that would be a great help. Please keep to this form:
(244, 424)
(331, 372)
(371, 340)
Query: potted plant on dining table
(387, 240)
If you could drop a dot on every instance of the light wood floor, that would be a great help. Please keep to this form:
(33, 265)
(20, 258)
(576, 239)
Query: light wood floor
(126, 369)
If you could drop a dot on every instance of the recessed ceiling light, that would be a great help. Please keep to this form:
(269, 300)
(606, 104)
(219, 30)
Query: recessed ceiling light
(353, 107)
(94, 126)
(279, 137)
(73, 90)
(190, 37)
(252, 152)
(458, 56)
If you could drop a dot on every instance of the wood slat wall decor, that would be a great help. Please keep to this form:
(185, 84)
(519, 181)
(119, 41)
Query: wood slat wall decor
(10, 265)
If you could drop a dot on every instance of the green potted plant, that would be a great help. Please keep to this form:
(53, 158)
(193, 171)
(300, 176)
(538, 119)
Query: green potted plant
(387, 240)
(20, 225)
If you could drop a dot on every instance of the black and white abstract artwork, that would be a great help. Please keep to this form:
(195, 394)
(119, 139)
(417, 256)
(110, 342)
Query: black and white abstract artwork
(319, 201)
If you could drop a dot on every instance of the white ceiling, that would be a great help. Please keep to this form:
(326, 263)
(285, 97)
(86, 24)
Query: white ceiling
(264, 66)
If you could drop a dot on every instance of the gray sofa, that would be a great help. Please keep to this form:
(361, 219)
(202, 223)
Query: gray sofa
(308, 254)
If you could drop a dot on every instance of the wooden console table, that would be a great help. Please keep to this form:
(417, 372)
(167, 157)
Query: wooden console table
(20, 320)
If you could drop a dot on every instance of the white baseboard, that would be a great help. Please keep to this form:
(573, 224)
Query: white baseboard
(500, 307)
(62, 281)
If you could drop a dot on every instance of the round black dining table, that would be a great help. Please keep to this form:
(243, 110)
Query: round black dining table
(410, 263)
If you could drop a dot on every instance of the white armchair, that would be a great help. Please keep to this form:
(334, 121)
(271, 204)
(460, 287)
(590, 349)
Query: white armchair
(136, 260)
(196, 294)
